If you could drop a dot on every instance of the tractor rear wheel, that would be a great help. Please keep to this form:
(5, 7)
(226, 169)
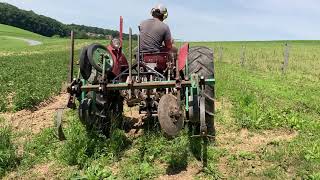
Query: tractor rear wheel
(200, 61)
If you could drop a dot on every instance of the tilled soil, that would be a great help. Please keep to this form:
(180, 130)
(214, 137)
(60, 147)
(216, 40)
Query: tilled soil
(34, 121)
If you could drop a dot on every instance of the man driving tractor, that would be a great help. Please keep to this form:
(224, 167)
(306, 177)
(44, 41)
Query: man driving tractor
(155, 35)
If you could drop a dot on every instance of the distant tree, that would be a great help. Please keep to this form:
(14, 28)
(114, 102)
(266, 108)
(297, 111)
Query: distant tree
(46, 26)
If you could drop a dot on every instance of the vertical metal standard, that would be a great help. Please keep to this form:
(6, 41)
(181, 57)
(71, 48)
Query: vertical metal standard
(178, 85)
(104, 78)
(130, 54)
(103, 68)
(138, 55)
(71, 104)
(130, 60)
(286, 58)
(70, 78)
(83, 93)
(187, 88)
(121, 34)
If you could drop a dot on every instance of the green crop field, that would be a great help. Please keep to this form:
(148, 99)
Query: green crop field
(10, 37)
(7, 42)
(32, 74)
(263, 98)
(267, 120)
(6, 30)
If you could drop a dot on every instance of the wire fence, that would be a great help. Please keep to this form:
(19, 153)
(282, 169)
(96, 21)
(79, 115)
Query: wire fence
(282, 57)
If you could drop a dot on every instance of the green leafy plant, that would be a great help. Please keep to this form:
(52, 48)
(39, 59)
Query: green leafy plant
(8, 157)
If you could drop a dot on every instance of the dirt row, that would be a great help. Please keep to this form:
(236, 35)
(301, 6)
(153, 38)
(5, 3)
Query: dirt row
(38, 119)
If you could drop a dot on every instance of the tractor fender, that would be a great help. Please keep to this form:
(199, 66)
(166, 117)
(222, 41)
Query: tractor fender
(119, 60)
(183, 55)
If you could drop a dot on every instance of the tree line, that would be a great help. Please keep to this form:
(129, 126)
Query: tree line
(46, 26)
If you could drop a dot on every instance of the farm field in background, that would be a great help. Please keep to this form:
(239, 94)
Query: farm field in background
(32, 74)
(267, 122)
(6, 30)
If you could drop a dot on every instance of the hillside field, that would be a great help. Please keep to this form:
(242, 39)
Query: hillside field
(6, 30)
(267, 120)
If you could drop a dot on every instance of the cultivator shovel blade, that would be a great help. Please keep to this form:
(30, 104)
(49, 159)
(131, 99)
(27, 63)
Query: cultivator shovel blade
(58, 123)
(170, 116)
(203, 125)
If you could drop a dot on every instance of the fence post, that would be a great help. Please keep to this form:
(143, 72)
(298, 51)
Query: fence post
(220, 53)
(286, 58)
(243, 55)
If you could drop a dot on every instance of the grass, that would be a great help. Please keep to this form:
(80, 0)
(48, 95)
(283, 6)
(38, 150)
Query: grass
(133, 158)
(94, 156)
(8, 158)
(6, 30)
(267, 56)
(8, 35)
(263, 98)
(8, 42)
(259, 97)
(31, 75)
(39, 149)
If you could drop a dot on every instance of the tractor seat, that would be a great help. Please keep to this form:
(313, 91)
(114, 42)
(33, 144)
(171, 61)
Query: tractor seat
(158, 58)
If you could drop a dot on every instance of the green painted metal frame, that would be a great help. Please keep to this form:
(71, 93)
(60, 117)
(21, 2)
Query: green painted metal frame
(194, 88)
(187, 89)
(83, 93)
(142, 85)
(191, 86)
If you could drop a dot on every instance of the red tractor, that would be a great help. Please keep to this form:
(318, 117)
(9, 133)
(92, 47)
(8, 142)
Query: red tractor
(177, 89)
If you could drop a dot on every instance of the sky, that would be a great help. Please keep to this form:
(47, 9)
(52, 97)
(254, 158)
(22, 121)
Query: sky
(194, 20)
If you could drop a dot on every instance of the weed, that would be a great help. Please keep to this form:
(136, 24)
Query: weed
(96, 172)
(40, 149)
(214, 154)
(178, 155)
(245, 155)
(89, 150)
(79, 146)
(212, 172)
(138, 170)
(232, 160)
(274, 172)
(8, 158)
(315, 176)
(140, 163)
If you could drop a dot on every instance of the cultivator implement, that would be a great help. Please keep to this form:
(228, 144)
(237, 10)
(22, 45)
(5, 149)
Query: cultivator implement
(178, 89)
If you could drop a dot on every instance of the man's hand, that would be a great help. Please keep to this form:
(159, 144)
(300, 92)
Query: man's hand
(168, 44)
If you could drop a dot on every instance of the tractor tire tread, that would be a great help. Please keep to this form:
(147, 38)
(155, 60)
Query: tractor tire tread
(91, 49)
(200, 61)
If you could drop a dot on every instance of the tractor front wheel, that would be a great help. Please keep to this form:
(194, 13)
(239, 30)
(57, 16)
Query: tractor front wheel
(101, 115)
